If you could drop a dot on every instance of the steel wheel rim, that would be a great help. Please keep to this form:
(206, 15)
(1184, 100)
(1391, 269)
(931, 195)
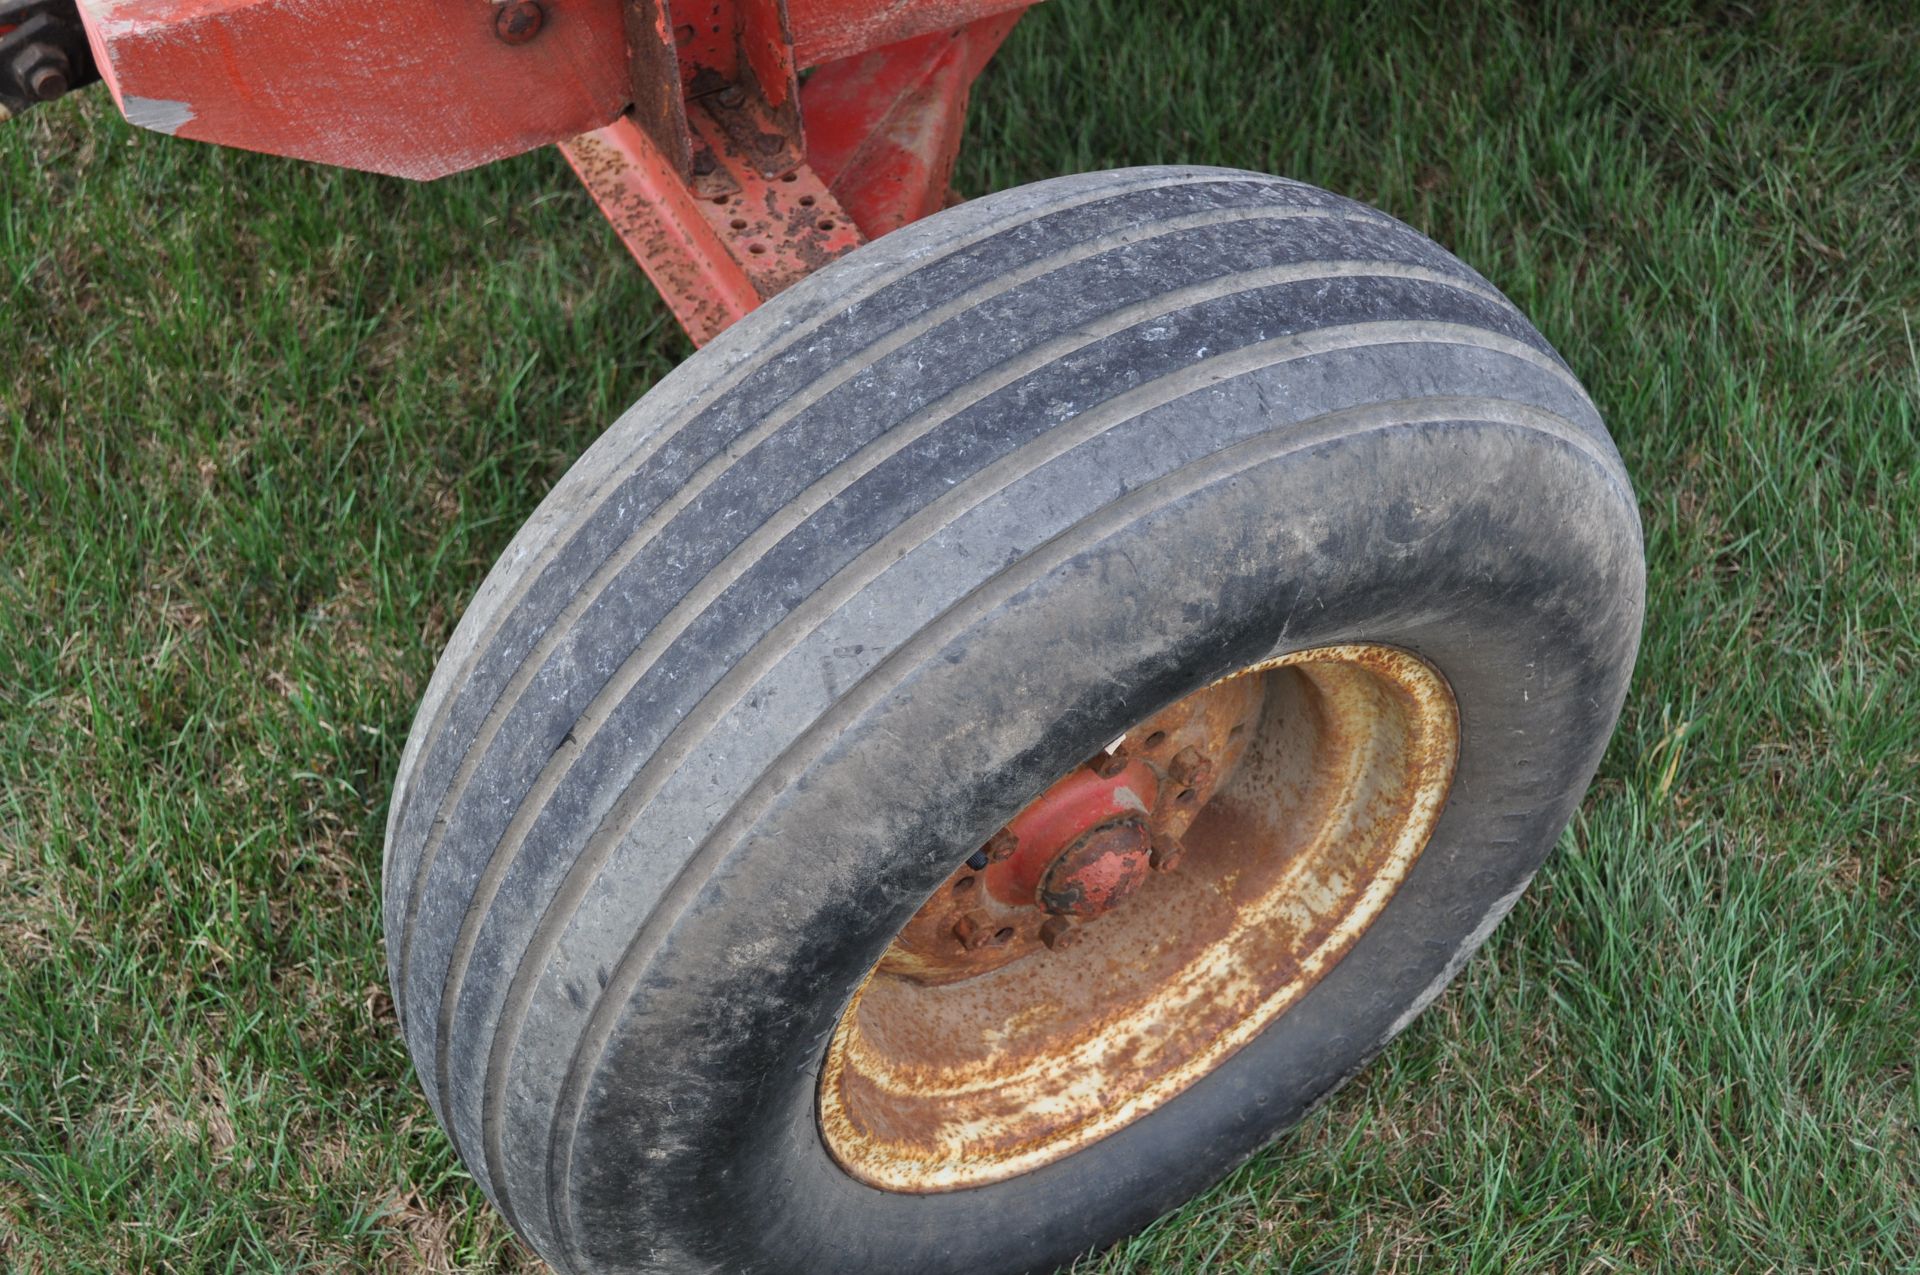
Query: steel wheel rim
(969, 1056)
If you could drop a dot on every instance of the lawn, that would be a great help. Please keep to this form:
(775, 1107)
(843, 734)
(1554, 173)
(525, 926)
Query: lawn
(266, 426)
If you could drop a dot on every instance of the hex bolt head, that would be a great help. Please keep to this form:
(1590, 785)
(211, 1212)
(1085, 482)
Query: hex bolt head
(1185, 765)
(1167, 853)
(1001, 845)
(1059, 934)
(974, 930)
(732, 95)
(518, 21)
(46, 82)
(1109, 765)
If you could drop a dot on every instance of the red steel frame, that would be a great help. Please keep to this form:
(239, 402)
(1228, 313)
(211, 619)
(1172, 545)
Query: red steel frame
(682, 117)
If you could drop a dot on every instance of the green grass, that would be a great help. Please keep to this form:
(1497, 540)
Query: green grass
(267, 425)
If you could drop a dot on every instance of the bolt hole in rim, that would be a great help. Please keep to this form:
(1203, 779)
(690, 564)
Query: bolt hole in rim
(1019, 1018)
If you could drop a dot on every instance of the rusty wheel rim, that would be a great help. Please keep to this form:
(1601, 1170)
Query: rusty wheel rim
(1141, 921)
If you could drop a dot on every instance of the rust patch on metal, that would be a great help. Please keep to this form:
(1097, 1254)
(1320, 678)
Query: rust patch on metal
(705, 179)
(736, 56)
(1097, 873)
(1311, 784)
(715, 247)
(631, 181)
(778, 228)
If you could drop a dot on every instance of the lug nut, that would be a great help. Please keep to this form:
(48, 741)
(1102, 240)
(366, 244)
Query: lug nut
(732, 95)
(1167, 853)
(1108, 765)
(518, 21)
(1058, 933)
(1186, 764)
(1001, 845)
(974, 930)
(47, 82)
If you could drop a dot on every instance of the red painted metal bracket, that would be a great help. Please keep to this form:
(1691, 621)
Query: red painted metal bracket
(717, 194)
(828, 30)
(683, 117)
(422, 88)
(720, 244)
(884, 128)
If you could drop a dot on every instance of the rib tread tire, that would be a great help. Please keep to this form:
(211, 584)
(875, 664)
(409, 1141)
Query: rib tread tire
(762, 538)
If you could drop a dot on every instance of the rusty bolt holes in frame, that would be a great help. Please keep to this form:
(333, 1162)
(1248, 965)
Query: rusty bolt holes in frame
(937, 1082)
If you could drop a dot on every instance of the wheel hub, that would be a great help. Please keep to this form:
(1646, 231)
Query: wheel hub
(1140, 921)
(1085, 847)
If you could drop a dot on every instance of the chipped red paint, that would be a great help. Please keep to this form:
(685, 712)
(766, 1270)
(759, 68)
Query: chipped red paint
(415, 88)
(645, 201)
(766, 40)
(741, 51)
(777, 218)
(1098, 872)
(683, 117)
(659, 104)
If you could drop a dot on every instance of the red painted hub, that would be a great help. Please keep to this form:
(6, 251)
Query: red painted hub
(1089, 845)
(1039, 837)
